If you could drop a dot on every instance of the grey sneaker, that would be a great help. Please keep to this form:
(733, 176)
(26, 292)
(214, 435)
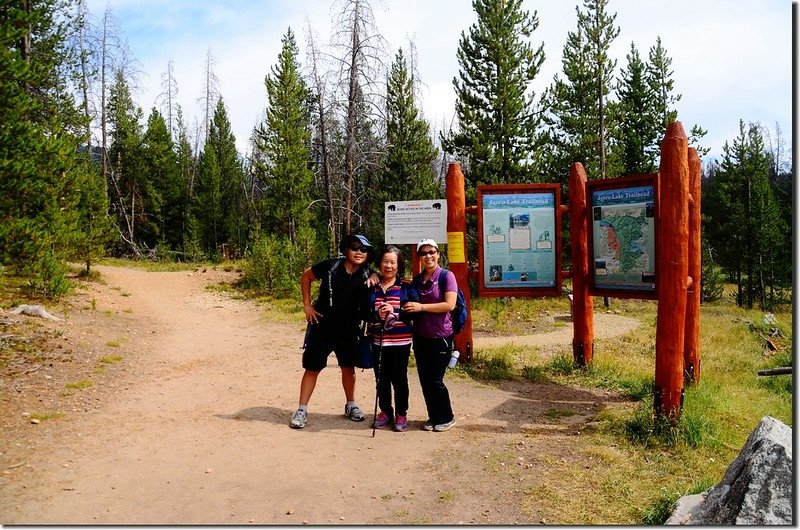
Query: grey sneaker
(444, 426)
(299, 419)
(354, 413)
(427, 426)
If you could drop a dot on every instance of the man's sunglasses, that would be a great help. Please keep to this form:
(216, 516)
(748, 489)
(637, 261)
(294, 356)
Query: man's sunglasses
(421, 253)
(358, 248)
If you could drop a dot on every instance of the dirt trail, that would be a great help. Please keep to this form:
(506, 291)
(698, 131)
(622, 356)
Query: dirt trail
(192, 426)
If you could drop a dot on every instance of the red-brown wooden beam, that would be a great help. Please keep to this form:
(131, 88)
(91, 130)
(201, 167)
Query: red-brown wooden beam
(582, 309)
(457, 251)
(672, 269)
(691, 347)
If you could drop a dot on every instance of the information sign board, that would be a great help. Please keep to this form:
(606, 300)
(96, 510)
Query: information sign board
(622, 235)
(408, 222)
(519, 229)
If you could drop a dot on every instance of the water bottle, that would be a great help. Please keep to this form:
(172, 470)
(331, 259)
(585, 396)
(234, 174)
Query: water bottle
(453, 359)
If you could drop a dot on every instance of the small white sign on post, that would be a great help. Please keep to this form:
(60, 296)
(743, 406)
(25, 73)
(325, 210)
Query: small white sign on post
(407, 222)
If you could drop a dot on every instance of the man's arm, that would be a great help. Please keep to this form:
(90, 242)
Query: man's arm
(306, 279)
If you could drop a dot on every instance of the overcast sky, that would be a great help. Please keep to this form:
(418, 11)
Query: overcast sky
(732, 59)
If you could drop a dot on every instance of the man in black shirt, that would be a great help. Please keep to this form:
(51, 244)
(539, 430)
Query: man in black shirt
(333, 321)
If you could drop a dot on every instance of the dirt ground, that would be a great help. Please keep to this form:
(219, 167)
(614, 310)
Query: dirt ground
(186, 422)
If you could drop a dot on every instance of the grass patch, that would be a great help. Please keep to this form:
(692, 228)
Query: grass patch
(447, 496)
(80, 385)
(558, 413)
(498, 366)
(156, 266)
(111, 359)
(41, 416)
(629, 451)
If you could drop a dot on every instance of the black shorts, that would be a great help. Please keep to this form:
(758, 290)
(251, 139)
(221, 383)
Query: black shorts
(321, 340)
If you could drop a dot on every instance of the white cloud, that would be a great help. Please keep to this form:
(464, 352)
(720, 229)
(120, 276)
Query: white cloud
(731, 58)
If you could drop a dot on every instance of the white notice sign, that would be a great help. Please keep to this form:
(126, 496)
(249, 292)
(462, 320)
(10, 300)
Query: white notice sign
(407, 222)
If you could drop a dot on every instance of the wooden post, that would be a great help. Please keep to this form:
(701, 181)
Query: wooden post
(691, 348)
(457, 251)
(672, 269)
(582, 309)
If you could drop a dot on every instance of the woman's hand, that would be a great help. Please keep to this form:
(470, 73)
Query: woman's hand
(384, 310)
(373, 280)
(412, 307)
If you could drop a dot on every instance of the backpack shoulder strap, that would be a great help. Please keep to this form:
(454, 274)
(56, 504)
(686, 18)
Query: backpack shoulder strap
(330, 280)
(404, 286)
(443, 280)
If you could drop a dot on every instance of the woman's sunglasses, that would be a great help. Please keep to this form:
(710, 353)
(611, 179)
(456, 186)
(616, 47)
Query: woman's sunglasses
(421, 253)
(358, 248)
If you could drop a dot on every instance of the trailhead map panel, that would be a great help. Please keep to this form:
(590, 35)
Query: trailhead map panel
(519, 240)
(623, 238)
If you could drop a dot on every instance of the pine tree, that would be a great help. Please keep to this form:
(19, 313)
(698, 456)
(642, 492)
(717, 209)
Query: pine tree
(207, 203)
(161, 165)
(40, 172)
(283, 145)
(408, 164)
(218, 205)
(131, 189)
(581, 117)
(187, 167)
(235, 231)
(497, 117)
(640, 127)
(659, 77)
(743, 220)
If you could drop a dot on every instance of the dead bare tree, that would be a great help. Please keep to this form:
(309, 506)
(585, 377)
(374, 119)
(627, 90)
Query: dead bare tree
(362, 53)
(86, 50)
(167, 98)
(114, 56)
(322, 139)
(210, 93)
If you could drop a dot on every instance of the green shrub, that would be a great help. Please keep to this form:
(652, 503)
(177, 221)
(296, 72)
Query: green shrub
(562, 365)
(275, 264)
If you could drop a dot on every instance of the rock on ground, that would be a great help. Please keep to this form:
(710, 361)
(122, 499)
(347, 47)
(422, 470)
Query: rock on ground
(756, 488)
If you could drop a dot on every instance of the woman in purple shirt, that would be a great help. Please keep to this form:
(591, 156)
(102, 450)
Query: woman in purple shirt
(433, 335)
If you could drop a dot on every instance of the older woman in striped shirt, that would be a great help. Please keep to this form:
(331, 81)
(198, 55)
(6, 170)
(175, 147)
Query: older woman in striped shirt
(392, 336)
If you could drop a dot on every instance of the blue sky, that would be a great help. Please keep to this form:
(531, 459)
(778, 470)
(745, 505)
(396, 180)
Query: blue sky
(732, 59)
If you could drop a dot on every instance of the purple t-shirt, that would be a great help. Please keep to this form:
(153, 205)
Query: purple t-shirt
(435, 325)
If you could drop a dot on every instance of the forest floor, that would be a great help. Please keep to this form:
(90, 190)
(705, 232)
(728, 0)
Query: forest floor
(160, 401)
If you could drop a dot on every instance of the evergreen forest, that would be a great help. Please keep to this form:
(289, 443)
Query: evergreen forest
(86, 173)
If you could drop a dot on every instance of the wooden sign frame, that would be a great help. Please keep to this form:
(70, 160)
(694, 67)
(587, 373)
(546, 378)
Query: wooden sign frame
(618, 192)
(523, 198)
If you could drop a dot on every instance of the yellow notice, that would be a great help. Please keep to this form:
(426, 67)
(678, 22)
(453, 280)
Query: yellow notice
(455, 247)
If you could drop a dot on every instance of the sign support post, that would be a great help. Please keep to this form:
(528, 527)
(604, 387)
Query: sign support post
(691, 350)
(582, 308)
(673, 269)
(457, 251)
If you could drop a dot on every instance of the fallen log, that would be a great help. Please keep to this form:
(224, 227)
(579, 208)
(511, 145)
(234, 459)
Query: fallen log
(776, 371)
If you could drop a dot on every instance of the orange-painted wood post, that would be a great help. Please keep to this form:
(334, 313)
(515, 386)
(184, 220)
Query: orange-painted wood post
(691, 347)
(582, 309)
(672, 270)
(457, 251)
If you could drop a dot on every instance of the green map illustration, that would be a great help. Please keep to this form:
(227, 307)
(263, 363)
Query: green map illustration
(624, 240)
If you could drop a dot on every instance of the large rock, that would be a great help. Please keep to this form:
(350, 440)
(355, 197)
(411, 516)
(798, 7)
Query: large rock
(756, 488)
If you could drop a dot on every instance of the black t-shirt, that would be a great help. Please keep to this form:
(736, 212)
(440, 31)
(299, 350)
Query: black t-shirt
(348, 292)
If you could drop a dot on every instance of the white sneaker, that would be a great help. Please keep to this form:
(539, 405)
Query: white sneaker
(299, 419)
(444, 426)
(354, 413)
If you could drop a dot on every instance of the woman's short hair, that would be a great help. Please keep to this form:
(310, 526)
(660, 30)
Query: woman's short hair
(401, 260)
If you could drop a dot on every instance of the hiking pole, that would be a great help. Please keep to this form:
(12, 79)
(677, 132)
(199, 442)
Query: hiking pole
(377, 383)
(390, 318)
